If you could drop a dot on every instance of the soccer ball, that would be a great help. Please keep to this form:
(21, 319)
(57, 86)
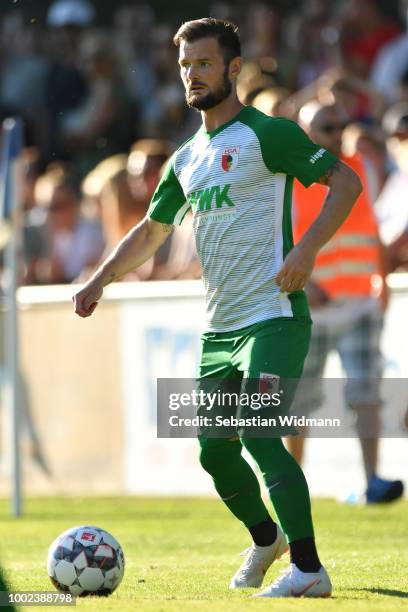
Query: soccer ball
(86, 561)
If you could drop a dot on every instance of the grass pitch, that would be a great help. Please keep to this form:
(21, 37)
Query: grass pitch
(181, 553)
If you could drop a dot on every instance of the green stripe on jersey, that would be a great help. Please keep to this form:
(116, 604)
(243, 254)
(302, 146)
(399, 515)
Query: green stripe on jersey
(238, 182)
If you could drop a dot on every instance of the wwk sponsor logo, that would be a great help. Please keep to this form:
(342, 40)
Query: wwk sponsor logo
(211, 198)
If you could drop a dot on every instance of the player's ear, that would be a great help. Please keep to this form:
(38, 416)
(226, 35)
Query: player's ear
(235, 67)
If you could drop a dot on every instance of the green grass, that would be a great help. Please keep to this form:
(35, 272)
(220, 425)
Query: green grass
(181, 553)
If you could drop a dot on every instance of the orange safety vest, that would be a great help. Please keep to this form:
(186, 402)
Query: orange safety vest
(346, 265)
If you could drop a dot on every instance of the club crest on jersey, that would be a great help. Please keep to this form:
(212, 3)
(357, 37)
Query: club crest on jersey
(229, 159)
(268, 383)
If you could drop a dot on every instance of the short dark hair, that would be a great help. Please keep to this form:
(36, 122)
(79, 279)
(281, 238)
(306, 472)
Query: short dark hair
(224, 31)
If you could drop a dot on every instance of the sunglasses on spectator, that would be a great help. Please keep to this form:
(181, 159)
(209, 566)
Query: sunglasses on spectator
(330, 128)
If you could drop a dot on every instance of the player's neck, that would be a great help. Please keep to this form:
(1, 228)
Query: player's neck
(220, 114)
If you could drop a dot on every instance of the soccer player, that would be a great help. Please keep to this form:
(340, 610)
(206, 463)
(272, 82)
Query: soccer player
(236, 175)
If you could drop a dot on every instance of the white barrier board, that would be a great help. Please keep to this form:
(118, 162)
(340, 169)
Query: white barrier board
(160, 339)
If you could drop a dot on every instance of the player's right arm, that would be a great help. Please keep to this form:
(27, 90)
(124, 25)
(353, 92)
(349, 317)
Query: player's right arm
(133, 250)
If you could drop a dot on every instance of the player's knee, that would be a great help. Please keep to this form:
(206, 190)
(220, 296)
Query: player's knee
(206, 461)
(209, 458)
(215, 455)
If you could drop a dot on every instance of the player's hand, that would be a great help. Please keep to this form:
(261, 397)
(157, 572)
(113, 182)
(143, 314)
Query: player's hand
(86, 300)
(296, 270)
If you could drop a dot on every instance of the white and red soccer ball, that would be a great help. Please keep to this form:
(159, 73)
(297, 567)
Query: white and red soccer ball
(86, 561)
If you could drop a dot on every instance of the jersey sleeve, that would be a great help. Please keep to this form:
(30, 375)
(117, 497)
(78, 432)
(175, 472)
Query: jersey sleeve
(168, 204)
(291, 151)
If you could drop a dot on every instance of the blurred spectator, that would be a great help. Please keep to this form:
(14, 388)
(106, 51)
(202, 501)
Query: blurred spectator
(392, 205)
(313, 39)
(262, 31)
(253, 79)
(145, 161)
(403, 88)
(59, 241)
(353, 95)
(176, 257)
(94, 182)
(369, 142)
(271, 101)
(23, 75)
(107, 195)
(67, 86)
(357, 99)
(132, 27)
(368, 25)
(123, 188)
(64, 13)
(392, 63)
(31, 173)
(232, 11)
(120, 212)
(346, 304)
(103, 124)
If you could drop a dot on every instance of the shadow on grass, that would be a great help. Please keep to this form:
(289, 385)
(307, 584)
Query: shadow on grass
(388, 592)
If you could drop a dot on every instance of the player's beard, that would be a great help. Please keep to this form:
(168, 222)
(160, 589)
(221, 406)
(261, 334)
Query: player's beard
(212, 98)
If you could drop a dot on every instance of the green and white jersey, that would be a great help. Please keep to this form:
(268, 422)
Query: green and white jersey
(237, 180)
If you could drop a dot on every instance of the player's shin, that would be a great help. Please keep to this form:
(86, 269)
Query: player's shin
(289, 494)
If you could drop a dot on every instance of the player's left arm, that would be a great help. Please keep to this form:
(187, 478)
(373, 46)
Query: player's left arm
(344, 189)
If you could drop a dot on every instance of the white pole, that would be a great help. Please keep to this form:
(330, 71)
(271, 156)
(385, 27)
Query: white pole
(12, 133)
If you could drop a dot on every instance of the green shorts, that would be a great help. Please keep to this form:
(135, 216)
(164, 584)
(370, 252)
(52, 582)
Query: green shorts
(265, 358)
